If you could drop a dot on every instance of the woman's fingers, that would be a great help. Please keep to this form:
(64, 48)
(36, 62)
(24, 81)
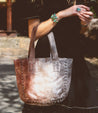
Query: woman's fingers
(84, 18)
(84, 7)
(87, 13)
(89, 17)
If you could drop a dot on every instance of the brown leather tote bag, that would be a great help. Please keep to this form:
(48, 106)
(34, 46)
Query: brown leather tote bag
(43, 81)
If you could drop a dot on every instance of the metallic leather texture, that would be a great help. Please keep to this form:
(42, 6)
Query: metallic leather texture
(43, 81)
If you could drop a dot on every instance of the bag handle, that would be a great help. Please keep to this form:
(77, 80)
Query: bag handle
(31, 53)
(53, 49)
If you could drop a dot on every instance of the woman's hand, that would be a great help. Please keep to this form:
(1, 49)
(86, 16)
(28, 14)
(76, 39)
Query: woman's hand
(84, 12)
(85, 17)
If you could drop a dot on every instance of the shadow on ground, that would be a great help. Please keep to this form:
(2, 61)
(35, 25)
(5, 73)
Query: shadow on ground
(9, 98)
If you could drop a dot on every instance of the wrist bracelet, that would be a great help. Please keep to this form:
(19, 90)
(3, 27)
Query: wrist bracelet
(54, 18)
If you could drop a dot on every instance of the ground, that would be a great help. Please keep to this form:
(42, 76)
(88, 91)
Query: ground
(9, 98)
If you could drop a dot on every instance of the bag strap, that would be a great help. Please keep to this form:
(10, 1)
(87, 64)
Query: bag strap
(53, 49)
(31, 53)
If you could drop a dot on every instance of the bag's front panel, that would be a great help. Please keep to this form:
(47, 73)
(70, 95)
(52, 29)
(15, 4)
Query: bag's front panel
(46, 83)
(50, 81)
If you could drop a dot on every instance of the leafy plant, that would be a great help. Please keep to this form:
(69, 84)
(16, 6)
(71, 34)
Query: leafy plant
(92, 9)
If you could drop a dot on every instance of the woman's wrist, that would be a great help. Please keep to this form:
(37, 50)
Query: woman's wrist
(56, 17)
(59, 15)
(64, 13)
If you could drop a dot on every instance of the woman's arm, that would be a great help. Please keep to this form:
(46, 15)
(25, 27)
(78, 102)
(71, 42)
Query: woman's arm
(46, 26)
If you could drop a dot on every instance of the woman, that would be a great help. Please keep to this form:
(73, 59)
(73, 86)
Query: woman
(66, 28)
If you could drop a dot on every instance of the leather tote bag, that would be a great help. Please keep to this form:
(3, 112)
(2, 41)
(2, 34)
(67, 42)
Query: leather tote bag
(43, 81)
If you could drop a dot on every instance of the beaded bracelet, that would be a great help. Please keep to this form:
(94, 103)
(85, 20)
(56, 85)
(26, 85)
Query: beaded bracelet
(54, 18)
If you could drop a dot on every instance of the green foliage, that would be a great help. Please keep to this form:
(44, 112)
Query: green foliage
(92, 9)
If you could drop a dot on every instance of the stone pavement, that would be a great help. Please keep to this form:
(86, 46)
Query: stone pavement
(9, 98)
(10, 49)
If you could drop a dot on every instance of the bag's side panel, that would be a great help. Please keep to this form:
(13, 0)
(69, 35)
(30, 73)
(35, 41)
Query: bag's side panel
(21, 77)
